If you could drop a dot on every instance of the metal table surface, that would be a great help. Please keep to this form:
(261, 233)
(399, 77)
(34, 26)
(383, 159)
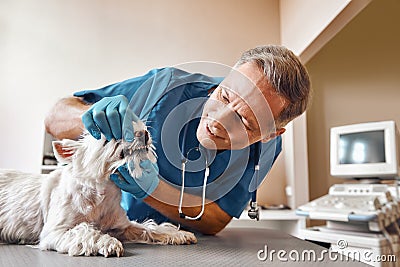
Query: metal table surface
(231, 247)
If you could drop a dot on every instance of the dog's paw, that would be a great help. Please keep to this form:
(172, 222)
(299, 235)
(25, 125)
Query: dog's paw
(182, 238)
(110, 246)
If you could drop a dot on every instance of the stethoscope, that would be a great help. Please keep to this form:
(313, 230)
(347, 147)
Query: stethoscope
(203, 197)
(253, 213)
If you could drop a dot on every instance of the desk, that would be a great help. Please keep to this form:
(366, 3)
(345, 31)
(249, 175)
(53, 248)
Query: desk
(231, 247)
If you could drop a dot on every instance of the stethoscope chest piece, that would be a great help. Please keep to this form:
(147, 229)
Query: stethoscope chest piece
(254, 211)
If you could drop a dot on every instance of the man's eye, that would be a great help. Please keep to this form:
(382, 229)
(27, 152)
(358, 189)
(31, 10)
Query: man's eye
(223, 96)
(245, 123)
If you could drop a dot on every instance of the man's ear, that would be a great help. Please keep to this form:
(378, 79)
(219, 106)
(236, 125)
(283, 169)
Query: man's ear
(278, 132)
(63, 151)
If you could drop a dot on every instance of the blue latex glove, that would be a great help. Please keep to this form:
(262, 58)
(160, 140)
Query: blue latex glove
(139, 187)
(107, 117)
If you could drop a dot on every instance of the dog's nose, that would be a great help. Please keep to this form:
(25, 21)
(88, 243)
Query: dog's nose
(139, 134)
(143, 136)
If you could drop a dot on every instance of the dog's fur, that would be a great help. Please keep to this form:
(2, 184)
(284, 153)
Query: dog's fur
(76, 208)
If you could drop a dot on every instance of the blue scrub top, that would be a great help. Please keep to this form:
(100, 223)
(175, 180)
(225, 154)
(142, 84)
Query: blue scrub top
(170, 101)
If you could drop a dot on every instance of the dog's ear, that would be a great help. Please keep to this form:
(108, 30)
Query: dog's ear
(63, 151)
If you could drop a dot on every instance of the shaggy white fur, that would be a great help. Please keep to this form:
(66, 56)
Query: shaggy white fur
(76, 208)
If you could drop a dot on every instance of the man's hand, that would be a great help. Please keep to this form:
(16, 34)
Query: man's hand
(139, 187)
(112, 117)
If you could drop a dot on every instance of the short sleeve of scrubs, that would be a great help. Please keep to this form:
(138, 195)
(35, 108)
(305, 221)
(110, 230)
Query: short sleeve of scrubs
(127, 88)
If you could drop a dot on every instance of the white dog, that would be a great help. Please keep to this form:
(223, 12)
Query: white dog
(76, 208)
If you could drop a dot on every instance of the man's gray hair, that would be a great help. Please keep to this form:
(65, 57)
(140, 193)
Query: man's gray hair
(286, 74)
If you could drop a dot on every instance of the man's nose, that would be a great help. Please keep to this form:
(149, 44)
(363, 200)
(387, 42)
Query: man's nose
(223, 118)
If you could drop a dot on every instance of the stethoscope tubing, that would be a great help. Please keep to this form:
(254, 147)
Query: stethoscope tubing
(203, 197)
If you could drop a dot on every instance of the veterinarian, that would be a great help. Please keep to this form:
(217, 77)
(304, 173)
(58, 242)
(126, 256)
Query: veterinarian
(216, 125)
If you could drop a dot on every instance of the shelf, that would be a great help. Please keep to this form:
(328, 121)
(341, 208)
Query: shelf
(282, 215)
(282, 220)
(48, 167)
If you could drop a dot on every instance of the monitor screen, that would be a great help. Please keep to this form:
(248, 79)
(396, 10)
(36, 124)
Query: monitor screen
(362, 147)
(365, 150)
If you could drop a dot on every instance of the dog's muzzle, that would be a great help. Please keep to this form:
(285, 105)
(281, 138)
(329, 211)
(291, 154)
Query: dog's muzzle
(143, 137)
(141, 142)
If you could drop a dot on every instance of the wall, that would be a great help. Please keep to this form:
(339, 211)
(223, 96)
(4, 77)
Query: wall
(302, 23)
(355, 79)
(49, 49)
(306, 27)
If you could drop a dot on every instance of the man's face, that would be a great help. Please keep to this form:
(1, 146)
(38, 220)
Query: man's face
(240, 111)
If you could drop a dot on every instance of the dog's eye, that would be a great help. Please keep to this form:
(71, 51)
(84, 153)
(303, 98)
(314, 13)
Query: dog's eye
(121, 155)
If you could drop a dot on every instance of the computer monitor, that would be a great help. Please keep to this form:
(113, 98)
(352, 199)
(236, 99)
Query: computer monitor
(365, 150)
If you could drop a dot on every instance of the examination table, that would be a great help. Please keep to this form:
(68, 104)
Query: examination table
(231, 247)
